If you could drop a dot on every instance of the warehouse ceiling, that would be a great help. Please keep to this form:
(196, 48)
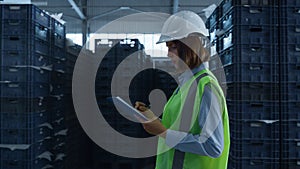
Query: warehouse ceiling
(97, 13)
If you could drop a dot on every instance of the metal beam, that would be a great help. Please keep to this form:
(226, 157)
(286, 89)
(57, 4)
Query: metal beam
(84, 31)
(77, 10)
(114, 11)
(85, 25)
(175, 6)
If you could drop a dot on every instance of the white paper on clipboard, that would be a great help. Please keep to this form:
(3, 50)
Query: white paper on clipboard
(127, 109)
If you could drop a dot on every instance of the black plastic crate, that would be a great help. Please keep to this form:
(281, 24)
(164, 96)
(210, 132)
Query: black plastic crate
(291, 149)
(290, 129)
(58, 112)
(59, 164)
(103, 86)
(112, 161)
(59, 143)
(70, 62)
(238, 163)
(59, 53)
(291, 3)
(109, 62)
(23, 105)
(59, 40)
(116, 164)
(104, 77)
(130, 60)
(24, 164)
(220, 75)
(24, 90)
(69, 71)
(68, 88)
(25, 28)
(214, 48)
(24, 135)
(240, 110)
(24, 74)
(227, 4)
(101, 93)
(56, 99)
(264, 129)
(249, 15)
(290, 53)
(290, 163)
(212, 20)
(290, 73)
(246, 149)
(29, 151)
(59, 125)
(58, 64)
(19, 43)
(215, 63)
(289, 16)
(74, 50)
(264, 54)
(29, 12)
(57, 77)
(58, 28)
(57, 88)
(16, 57)
(71, 59)
(251, 72)
(290, 110)
(290, 91)
(127, 126)
(248, 34)
(252, 91)
(213, 33)
(57, 105)
(289, 36)
(23, 120)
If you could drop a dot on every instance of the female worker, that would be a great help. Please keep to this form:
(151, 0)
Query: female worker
(194, 130)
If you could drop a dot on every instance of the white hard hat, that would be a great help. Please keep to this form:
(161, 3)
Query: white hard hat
(180, 25)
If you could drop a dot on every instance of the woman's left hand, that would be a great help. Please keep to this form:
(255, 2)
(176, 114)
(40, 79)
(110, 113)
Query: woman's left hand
(153, 126)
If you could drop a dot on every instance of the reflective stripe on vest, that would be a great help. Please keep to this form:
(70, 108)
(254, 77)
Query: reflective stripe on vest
(186, 120)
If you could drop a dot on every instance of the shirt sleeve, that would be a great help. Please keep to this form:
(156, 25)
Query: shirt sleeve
(210, 142)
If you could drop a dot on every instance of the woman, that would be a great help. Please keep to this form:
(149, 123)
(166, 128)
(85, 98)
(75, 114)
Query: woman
(194, 130)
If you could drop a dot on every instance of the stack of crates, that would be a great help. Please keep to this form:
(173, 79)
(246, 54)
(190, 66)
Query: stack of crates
(289, 24)
(245, 35)
(125, 57)
(57, 93)
(25, 131)
(77, 143)
(74, 134)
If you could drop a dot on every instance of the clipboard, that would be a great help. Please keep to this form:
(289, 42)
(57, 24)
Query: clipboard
(127, 109)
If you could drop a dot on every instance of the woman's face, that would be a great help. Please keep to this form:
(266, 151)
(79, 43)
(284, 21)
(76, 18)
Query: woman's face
(173, 55)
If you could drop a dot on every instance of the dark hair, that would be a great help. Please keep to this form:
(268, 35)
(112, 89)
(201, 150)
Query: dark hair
(192, 51)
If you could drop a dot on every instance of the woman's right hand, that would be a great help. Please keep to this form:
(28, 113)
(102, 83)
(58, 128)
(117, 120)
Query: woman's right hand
(153, 126)
(145, 110)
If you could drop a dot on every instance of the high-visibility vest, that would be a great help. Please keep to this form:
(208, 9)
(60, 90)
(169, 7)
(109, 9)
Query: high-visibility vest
(170, 120)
